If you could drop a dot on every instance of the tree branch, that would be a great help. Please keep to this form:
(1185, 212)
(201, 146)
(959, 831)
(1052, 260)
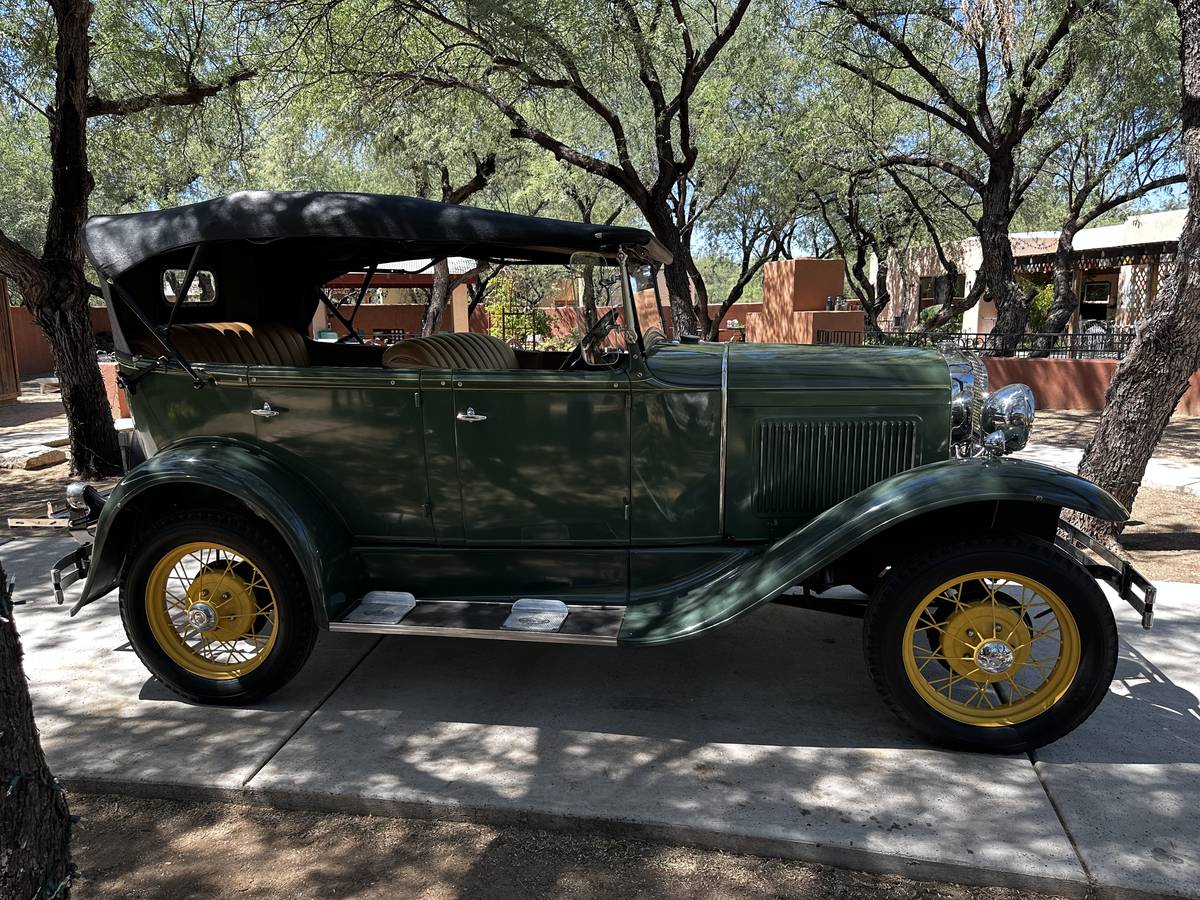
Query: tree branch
(195, 92)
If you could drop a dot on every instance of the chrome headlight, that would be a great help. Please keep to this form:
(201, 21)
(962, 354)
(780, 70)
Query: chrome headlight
(1008, 418)
(968, 387)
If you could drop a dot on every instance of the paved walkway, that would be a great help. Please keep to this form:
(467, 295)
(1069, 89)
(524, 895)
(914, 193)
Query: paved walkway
(766, 737)
(1164, 473)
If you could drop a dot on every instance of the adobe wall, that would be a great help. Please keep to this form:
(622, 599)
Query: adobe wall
(33, 353)
(647, 310)
(795, 285)
(1071, 383)
(802, 327)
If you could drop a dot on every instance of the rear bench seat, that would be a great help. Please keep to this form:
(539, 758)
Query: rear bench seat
(239, 344)
(270, 344)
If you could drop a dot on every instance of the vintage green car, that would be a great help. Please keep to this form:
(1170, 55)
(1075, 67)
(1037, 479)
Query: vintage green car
(452, 485)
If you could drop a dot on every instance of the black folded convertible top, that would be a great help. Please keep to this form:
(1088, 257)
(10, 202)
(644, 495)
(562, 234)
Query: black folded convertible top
(419, 228)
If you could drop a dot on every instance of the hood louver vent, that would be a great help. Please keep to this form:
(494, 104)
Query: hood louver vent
(805, 466)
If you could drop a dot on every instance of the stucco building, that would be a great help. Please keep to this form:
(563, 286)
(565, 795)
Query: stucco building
(1118, 272)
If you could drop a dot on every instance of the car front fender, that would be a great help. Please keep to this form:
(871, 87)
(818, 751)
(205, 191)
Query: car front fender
(245, 477)
(843, 527)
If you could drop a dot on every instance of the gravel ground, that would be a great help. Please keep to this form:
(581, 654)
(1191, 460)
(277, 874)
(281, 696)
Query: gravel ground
(1163, 538)
(132, 848)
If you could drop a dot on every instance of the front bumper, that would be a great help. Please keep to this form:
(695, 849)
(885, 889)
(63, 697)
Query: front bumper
(1130, 585)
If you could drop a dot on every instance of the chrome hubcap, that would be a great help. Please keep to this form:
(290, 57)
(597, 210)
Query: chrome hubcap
(995, 657)
(202, 617)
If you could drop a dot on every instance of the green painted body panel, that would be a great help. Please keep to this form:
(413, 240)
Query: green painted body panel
(167, 409)
(839, 529)
(312, 528)
(598, 486)
(549, 465)
(357, 436)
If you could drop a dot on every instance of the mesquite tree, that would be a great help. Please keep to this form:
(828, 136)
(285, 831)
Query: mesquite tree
(1123, 135)
(35, 824)
(1166, 351)
(979, 86)
(53, 283)
(618, 90)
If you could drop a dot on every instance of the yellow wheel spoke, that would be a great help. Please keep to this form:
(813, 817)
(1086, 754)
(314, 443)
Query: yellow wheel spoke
(224, 591)
(987, 625)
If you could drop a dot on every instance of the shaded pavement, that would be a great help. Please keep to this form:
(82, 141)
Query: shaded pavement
(765, 737)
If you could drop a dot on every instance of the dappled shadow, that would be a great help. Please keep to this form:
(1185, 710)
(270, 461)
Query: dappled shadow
(25, 412)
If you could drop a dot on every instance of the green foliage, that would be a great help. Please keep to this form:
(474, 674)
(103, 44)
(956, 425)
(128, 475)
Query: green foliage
(1039, 305)
(929, 313)
(513, 302)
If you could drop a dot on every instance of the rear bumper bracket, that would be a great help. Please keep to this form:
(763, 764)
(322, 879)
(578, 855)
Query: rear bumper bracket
(68, 570)
(1130, 585)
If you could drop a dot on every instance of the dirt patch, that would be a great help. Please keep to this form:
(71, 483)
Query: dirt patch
(132, 848)
(1164, 542)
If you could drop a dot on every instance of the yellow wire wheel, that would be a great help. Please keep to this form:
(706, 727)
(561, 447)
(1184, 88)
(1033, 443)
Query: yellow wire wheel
(211, 610)
(991, 648)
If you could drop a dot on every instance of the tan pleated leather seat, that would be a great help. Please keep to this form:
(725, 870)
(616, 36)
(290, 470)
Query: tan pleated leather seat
(451, 350)
(239, 344)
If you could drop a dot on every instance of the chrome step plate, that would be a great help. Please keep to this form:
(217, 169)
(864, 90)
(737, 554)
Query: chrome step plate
(382, 608)
(532, 614)
(524, 620)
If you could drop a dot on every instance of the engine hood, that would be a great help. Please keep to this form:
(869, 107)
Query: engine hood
(782, 367)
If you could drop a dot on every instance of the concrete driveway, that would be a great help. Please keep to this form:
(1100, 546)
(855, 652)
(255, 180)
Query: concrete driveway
(765, 737)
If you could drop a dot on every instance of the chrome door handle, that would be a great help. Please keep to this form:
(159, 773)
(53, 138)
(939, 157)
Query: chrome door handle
(471, 416)
(266, 412)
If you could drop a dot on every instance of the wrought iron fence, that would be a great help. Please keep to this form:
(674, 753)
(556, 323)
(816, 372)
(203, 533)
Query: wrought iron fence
(1088, 345)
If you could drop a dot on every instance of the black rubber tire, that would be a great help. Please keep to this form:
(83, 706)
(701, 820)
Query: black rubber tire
(910, 582)
(297, 628)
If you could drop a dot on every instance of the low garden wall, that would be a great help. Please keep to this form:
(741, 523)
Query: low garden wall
(1071, 383)
(33, 353)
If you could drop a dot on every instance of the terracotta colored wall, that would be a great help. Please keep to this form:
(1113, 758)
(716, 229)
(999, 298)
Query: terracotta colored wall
(116, 396)
(647, 311)
(1071, 383)
(399, 316)
(791, 285)
(801, 327)
(33, 353)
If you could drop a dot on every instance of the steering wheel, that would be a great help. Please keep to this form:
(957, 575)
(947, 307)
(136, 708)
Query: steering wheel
(598, 332)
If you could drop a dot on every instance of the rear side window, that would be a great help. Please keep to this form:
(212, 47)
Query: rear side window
(201, 292)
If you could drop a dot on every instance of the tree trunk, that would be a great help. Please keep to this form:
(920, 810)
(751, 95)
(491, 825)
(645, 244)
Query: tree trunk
(1166, 352)
(438, 295)
(35, 824)
(879, 300)
(1012, 312)
(679, 292)
(60, 307)
(590, 315)
(1066, 301)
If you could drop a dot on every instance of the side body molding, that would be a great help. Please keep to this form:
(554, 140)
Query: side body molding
(311, 528)
(841, 528)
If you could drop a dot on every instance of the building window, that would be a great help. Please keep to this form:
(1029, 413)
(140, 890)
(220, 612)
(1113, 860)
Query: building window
(1096, 304)
(960, 289)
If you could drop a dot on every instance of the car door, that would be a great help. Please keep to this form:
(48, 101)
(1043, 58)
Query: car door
(355, 434)
(543, 456)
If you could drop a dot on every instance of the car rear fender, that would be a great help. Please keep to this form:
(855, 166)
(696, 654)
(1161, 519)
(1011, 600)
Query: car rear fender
(841, 528)
(229, 475)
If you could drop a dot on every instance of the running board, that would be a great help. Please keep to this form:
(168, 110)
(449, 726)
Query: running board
(528, 619)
